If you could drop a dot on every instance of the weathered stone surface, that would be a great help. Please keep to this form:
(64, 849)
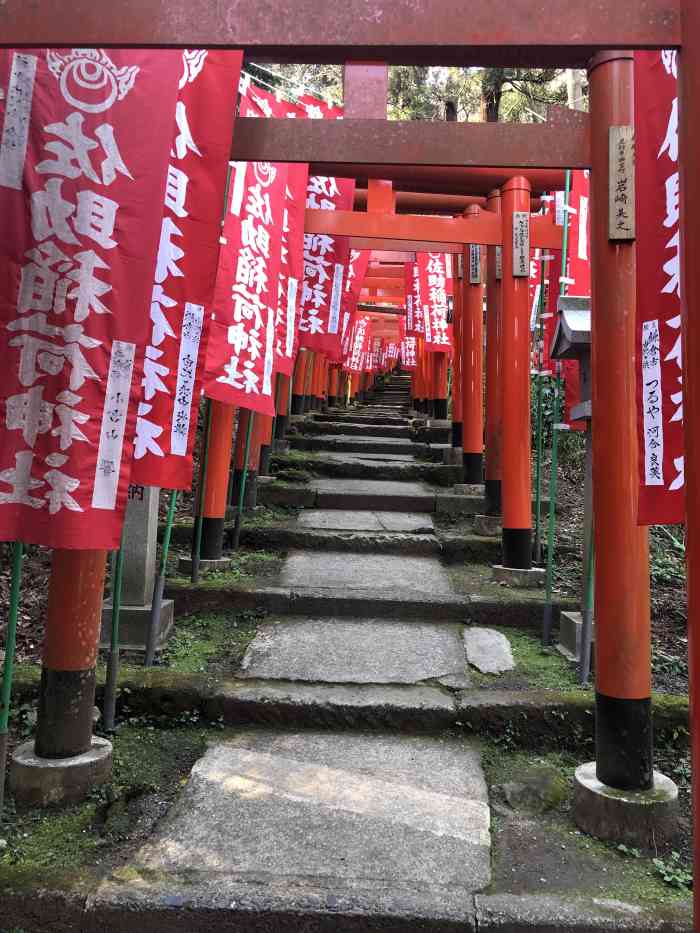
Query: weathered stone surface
(386, 828)
(537, 790)
(522, 913)
(451, 504)
(357, 651)
(488, 650)
(490, 526)
(385, 445)
(337, 570)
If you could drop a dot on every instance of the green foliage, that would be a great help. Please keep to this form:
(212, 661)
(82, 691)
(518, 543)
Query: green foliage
(667, 554)
(673, 871)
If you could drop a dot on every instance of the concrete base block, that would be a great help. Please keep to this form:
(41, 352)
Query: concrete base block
(468, 489)
(265, 480)
(452, 456)
(297, 419)
(222, 564)
(570, 629)
(488, 526)
(440, 424)
(44, 782)
(519, 577)
(133, 626)
(643, 819)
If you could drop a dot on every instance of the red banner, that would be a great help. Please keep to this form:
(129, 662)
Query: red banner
(256, 102)
(435, 272)
(359, 344)
(414, 305)
(185, 273)
(325, 262)
(241, 352)
(84, 152)
(659, 347)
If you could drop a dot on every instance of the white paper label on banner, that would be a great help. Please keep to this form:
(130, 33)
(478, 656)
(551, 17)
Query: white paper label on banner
(335, 298)
(109, 452)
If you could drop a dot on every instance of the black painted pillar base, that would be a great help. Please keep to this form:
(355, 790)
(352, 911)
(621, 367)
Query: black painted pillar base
(332, 401)
(430, 407)
(456, 433)
(297, 404)
(212, 547)
(624, 742)
(517, 548)
(473, 467)
(441, 409)
(308, 399)
(492, 496)
(265, 454)
(281, 425)
(64, 720)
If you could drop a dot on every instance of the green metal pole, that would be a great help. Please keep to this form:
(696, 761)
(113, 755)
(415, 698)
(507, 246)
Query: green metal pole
(159, 583)
(8, 666)
(110, 699)
(547, 618)
(539, 441)
(197, 537)
(244, 479)
(587, 615)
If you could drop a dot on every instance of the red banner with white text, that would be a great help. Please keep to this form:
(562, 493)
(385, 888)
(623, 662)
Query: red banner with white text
(84, 152)
(185, 272)
(435, 272)
(659, 347)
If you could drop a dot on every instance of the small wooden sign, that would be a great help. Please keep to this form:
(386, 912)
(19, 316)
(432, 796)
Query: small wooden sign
(621, 225)
(460, 266)
(499, 263)
(521, 244)
(474, 264)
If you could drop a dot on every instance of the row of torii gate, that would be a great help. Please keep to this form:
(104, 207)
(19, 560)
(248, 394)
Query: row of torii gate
(465, 159)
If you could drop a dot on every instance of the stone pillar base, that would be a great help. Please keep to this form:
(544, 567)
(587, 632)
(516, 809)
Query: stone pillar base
(44, 782)
(222, 564)
(517, 576)
(644, 818)
(133, 626)
(488, 526)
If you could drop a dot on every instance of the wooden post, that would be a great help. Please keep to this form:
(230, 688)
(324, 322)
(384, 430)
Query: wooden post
(473, 361)
(494, 386)
(216, 481)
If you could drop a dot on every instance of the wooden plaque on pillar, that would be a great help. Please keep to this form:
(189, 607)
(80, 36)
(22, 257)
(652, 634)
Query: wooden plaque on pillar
(621, 223)
(521, 244)
(499, 263)
(474, 264)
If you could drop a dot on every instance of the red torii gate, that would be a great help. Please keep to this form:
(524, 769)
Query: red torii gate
(529, 33)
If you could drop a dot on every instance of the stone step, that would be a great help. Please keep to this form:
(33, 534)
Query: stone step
(314, 831)
(340, 417)
(357, 444)
(366, 495)
(371, 466)
(349, 428)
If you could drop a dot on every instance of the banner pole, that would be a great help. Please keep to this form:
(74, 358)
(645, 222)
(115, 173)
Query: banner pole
(244, 478)
(110, 698)
(539, 439)
(159, 584)
(547, 618)
(8, 666)
(197, 537)
(587, 615)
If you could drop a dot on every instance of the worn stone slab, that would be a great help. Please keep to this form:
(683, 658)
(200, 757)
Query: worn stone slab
(339, 571)
(372, 495)
(357, 651)
(527, 579)
(349, 444)
(380, 828)
(348, 520)
(487, 650)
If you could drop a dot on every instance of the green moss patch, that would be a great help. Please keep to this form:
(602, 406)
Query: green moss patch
(210, 643)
